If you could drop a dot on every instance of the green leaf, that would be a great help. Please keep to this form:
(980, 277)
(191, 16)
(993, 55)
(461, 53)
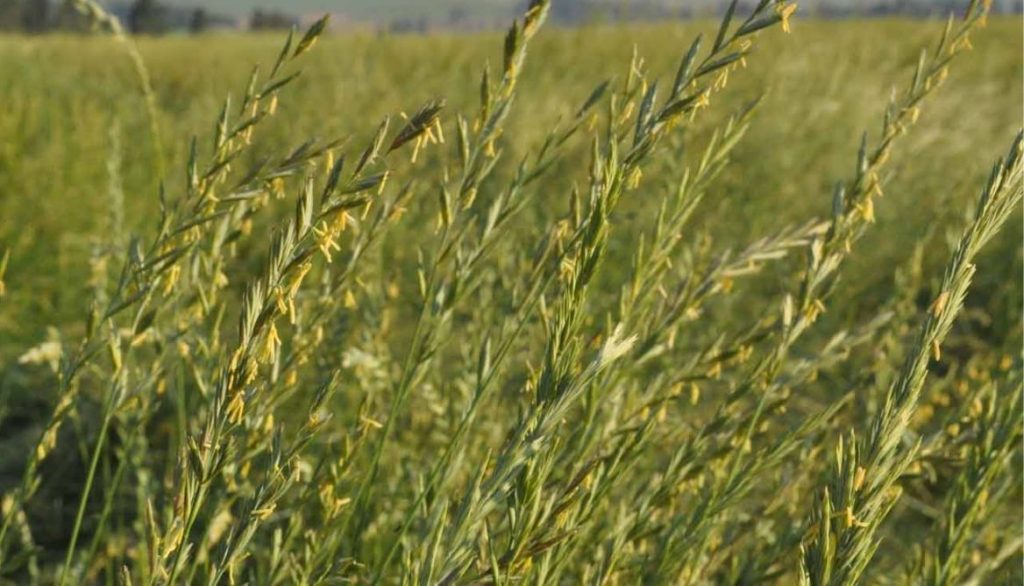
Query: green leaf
(311, 36)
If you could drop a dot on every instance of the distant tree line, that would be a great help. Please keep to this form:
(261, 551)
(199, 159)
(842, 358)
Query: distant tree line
(571, 12)
(144, 17)
(577, 12)
(270, 20)
(32, 16)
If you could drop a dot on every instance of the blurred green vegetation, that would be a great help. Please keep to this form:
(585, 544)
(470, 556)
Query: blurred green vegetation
(73, 114)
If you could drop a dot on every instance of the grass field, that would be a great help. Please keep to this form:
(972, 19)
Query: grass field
(823, 86)
(80, 175)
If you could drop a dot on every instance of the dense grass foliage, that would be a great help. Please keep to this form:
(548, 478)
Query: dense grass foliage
(73, 105)
(604, 305)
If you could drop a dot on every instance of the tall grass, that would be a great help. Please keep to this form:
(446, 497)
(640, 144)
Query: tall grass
(460, 348)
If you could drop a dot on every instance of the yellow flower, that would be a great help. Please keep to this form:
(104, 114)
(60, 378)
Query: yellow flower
(171, 279)
(963, 43)
(368, 423)
(850, 520)
(236, 408)
(704, 100)
(811, 313)
(626, 112)
(936, 79)
(924, 414)
(874, 184)
(469, 198)
(3, 269)
(939, 304)
(867, 210)
(271, 344)
(416, 146)
(296, 279)
(264, 512)
(977, 407)
(721, 80)
(1005, 362)
(277, 187)
(662, 414)
(46, 445)
(281, 300)
(329, 161)
(438, 131)
(220, 279)
(785, 11)
(325, 241)
(397, 212)
(634, 178)
(115, 354)
(326, 492)
(339, 222)
(219, 525)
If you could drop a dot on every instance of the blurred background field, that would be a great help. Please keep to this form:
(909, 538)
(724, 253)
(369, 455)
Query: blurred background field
(75, 128)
